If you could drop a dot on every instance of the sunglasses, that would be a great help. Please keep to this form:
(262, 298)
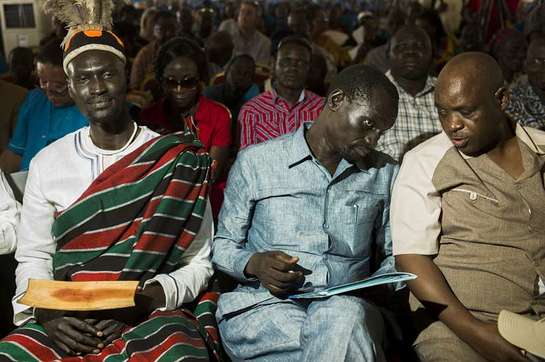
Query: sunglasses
(186, 83)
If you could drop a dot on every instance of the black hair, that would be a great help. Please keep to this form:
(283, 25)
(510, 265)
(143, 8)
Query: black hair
(51, 52)
(255, 4)
(433, 18)
(237, 58)
(359, 81)
(164, 14)
(276, 37)
(295, 40)
(181, 47)
(20, 52)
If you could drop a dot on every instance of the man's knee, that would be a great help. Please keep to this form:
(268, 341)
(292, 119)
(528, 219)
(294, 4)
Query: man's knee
(262, 331)
(349, 314)
(342, 307)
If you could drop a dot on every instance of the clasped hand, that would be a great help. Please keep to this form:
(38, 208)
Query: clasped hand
(78, 334)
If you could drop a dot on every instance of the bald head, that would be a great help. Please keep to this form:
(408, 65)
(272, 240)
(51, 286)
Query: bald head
(475, 70)
(471, 98)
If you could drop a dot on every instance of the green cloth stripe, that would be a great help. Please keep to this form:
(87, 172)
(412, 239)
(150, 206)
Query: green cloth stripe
(75, 257)
(122, 195)
(144, 261)
(109, 199)
(205, 307)
(16, 353)
(61, 259)
(151, 326)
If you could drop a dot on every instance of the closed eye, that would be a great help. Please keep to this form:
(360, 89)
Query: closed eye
(368, 123)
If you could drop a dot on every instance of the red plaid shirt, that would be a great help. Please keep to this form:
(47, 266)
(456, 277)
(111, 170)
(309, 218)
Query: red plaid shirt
(268, 116)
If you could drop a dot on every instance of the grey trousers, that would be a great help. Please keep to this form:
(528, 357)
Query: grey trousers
(340, 328)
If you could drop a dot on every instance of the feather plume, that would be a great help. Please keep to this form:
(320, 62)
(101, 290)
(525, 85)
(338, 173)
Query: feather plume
(82, 14)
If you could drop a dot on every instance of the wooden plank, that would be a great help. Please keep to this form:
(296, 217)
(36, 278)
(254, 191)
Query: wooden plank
(79, 296)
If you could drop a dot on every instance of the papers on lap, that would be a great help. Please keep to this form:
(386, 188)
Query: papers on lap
(79, 296)
(386, 278)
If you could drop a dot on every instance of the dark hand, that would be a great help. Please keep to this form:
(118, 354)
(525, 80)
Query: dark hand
(109, 330)
(491, 345)
(73, 335)
(277, 271)
(150, 298)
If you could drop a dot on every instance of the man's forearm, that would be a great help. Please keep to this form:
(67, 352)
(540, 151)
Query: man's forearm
(433, 291)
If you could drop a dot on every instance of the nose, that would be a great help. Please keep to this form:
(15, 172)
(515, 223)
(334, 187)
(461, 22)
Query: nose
(454, 122)
(372, 138)
(97, 86)
(179, 89)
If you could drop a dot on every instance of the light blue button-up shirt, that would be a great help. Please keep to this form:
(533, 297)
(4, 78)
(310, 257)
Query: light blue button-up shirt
(279, 197)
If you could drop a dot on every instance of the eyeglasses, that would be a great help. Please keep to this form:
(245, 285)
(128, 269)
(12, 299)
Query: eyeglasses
(54, 86)
(186, 83)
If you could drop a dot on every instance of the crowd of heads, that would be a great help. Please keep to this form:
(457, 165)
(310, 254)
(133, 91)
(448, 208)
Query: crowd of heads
(191, 51)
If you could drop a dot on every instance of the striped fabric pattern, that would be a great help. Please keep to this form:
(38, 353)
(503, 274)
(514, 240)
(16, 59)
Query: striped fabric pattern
(268, 116)
(164, 337)
(137, 218)
(133, 222)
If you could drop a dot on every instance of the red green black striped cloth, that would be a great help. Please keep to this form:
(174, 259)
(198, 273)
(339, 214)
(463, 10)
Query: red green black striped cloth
(133, 222)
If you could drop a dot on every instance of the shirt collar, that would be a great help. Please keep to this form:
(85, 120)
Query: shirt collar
(428, 87)
(300, 152)
(525, 137)
(277, 97)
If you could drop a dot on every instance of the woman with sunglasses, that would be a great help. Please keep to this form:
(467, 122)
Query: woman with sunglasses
(181, 69)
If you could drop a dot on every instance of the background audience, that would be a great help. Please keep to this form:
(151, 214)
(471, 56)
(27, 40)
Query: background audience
(241, 72)
(47, 114)
(181, 70)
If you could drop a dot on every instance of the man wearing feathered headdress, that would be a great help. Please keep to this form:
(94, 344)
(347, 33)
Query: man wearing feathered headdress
(113, 202)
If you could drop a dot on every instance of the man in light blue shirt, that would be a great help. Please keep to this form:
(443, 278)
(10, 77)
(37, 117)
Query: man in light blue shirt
(310, 210)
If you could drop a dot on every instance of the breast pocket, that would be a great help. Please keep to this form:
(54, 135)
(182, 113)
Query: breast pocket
(286, 215)
(363, 214)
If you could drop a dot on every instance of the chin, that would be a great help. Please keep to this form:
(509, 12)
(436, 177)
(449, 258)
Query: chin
(102, 117)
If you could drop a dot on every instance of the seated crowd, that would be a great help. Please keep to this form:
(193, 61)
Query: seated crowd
(228, 155)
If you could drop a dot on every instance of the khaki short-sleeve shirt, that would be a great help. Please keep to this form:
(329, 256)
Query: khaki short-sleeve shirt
(485, 229)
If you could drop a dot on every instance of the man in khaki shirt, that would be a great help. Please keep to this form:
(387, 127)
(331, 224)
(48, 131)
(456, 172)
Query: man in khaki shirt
(468, 217)
(11, 97)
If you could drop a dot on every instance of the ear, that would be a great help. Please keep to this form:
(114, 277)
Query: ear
(335, 100)
(70, 88)
(503, 96)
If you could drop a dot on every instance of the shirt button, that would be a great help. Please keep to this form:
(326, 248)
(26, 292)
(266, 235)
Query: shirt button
(43, 136)
(326, 226)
